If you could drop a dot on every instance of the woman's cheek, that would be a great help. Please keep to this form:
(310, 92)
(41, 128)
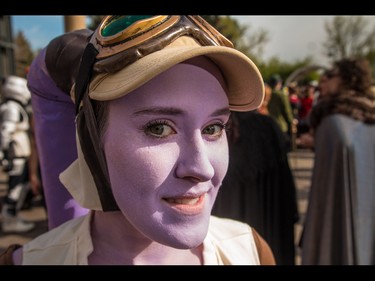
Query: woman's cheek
(220, 163)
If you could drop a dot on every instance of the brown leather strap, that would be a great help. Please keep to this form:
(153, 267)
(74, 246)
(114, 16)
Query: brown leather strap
(6, 257)
(266, 256)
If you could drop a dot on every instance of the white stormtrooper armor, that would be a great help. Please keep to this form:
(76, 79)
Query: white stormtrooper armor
(15, 124)
(15, 87)
(15, 148)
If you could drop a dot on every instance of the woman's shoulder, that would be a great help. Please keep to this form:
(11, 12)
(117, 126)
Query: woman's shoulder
(228, 233)
(52, 247)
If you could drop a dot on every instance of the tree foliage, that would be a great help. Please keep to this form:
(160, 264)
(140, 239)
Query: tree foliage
(284, 69)
(349, 36)
(250, 43)
(23, 54)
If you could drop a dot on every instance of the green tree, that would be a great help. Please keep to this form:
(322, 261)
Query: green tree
(250, 43)
(284, 69)
(23, 54)
(349, 36)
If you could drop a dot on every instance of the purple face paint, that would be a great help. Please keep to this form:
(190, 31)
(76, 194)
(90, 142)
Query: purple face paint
(167, 153)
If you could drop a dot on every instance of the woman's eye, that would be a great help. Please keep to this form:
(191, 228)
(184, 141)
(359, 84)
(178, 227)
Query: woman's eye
(214, 130)
(159, 129)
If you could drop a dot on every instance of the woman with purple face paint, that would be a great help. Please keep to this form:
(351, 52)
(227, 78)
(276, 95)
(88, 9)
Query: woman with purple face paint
(153, 96)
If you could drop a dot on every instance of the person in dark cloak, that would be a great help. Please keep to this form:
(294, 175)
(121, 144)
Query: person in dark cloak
(259, 186)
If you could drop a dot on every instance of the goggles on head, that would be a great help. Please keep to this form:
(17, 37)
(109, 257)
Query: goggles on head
(121, 40)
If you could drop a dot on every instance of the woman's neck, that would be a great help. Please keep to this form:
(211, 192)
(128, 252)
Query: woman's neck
(116, 241)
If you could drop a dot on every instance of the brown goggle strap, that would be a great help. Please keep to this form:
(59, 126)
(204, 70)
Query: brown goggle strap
(94, 154)
(84, 74)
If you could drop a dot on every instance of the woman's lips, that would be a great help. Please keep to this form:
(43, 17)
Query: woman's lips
(185, 201)
(188, 205)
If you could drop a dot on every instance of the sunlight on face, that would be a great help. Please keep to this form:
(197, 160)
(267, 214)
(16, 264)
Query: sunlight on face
(167, 154)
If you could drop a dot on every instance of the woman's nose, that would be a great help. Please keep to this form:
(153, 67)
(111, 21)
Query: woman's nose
(194, 161)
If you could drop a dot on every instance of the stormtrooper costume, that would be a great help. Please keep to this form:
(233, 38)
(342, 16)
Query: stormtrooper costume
(15, 149)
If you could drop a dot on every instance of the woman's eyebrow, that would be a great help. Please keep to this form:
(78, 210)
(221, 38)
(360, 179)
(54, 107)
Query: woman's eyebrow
(222, 111)
(175, 111)
(158, 111)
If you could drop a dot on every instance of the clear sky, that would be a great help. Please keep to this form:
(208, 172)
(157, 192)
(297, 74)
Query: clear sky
(291, 37)
(38, 30)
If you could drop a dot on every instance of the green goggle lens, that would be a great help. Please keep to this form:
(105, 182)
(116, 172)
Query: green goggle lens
(119, 23)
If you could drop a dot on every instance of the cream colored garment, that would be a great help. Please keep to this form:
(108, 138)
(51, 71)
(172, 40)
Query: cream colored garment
(227, 242)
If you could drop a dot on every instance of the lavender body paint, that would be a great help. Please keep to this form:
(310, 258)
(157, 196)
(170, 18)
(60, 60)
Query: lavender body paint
(166, 185)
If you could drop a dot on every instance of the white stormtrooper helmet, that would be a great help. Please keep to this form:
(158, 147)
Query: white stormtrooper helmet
(15, 87)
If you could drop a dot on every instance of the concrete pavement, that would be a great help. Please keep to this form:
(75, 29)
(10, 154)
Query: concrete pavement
(301, 163)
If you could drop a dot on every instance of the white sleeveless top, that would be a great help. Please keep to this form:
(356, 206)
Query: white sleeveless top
(228, 242)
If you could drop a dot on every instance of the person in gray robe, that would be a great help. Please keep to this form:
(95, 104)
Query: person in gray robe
(339, 226)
